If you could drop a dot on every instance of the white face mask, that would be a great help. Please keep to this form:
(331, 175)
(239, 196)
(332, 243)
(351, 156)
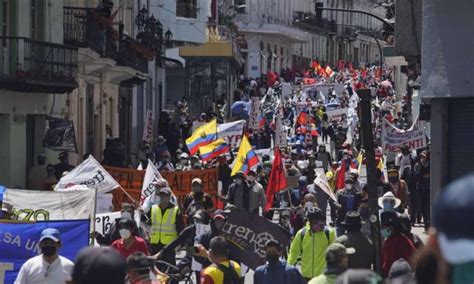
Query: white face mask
(251, 178)
(308, 204)
(126, 215)
(349, 185)
(124, 233)
(238, 181)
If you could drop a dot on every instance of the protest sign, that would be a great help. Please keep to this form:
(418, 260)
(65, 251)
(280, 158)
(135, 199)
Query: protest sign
(255, 113)
(29, 205)
(247, 234)
(393, 138)
(60, 135)
(148, 129)
(20, 241)
(180, 183)
(231, 132)
(91, 174)
(286, 89)
(337, 114)
(280, 133)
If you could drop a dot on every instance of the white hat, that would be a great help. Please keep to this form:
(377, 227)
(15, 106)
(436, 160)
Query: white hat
(389, 196)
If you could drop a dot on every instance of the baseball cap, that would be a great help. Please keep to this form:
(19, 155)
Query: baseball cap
(336, 251)
(452, 218)
(165, 190)
(198, 180)
(98, 265)
(50, 233)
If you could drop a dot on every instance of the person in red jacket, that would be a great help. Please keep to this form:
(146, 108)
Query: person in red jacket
(396, 244)
(129, 242)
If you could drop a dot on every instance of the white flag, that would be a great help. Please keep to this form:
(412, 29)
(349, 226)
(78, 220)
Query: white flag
(151, 175)
(140, 167)
(322, 182)
(91, 174)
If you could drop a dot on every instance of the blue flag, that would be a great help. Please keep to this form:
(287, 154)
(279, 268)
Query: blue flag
(20, 241)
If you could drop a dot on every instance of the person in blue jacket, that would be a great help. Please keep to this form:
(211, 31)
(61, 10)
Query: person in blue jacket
(276, 270)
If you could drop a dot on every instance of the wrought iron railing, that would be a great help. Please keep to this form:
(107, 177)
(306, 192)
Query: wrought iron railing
(27, 59)
(131, 54)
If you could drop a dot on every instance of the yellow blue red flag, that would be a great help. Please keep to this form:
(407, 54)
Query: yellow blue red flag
(246, 158)
(202, 136)
(213, 150)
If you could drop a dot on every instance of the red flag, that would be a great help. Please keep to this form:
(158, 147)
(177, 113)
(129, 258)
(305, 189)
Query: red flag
(304, 119)
(277, 181)
(378, 73)
(271, 78)
(315, 64)
(351, 68)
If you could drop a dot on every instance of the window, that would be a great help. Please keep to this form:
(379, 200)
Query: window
(5, 19)
(186, 8)
(34, 19)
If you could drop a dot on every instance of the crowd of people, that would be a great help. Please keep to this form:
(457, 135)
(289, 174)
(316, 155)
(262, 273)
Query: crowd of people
(333, 236)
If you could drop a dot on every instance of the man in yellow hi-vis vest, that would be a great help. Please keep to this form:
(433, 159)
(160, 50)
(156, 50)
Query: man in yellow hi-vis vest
(166, 224)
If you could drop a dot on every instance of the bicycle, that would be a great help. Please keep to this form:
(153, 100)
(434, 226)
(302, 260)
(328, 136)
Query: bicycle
(165, 272)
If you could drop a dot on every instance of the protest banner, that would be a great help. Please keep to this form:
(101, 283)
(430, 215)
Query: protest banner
(393, 138)
(231, 132)
(148, 129)
(131, 180)
(20, 241)
(247, 234)
(60, 135)
(30, 205)
(337, 114)
(105, 220)
(255, 114)
(91, 174)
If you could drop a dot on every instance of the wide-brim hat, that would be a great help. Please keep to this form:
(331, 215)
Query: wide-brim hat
(389, 196)
(352, 219)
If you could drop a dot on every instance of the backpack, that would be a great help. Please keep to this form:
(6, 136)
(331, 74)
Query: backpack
(326, 233)
(230, 274)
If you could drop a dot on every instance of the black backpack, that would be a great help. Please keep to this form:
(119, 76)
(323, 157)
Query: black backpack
(326, 233)
(230, 274)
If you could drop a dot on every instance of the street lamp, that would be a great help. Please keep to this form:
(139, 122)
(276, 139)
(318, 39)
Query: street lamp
(141, 18)
(168, 37)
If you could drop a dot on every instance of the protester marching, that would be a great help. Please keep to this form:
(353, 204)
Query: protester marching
(274, 191)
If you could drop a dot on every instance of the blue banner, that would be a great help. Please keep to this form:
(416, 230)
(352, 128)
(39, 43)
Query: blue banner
(20, 241)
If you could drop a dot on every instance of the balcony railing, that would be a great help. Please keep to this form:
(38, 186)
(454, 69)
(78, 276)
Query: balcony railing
(86, 27)
(34, 66)
(131, 54)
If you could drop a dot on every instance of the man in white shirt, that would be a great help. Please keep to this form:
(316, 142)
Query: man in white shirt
(48, 267)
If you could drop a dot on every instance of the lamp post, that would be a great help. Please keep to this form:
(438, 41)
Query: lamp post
(168, 38)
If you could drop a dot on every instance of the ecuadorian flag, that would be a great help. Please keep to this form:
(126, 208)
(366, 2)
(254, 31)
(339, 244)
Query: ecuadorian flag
(202, 136)
(246, 159)
(213, 150)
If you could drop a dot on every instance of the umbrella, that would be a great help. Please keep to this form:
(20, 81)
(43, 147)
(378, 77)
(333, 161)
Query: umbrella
(240, 108)
(386, 84)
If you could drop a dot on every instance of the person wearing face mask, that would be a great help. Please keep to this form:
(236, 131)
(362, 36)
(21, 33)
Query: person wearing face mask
(223, 174)
(395, 245)
(309, 172)
(138, 269)
(160, 147)
(257, 197)
(238, 193)
(348, 199)
(164, 164)
(166, 223)
(298, 193)
(183, 162)
(324, 157)
(399, 188)
(276, 270)
(311, 243)
(388, 202)
(112, 234)
(128, 242)
(49, 266)
(196, 200)
(337, 259)
(298, 216)
(344, 169)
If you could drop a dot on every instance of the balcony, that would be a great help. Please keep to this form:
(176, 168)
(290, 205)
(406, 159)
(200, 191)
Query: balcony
(86, 28)
(37, 67)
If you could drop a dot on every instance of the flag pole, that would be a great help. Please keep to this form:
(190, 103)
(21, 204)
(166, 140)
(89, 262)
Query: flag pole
(129, 196)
